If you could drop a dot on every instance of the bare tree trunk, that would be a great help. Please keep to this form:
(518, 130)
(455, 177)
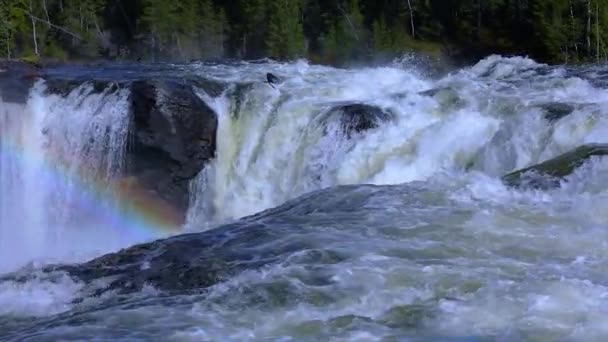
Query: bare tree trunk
(61, 5)
(46, 12)
(573, 27)
(350, 23)
(34, 30)
(179, 46)
(409, 5)
(597, 31)
(35, 18)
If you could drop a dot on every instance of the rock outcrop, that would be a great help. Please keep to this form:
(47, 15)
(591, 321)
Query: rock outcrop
(192, 262)
(185, 263)
(173, 135)
(550, 173)
(171, 132)
(556, 110)
(356, 118)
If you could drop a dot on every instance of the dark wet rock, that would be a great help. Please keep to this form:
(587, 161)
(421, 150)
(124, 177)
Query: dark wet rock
(556, 110)
(433, 91)
(295, 235)
(173, 136)
(271, 78)
(190, 263)
(187, 263)
(172, 130)
(16, 79)
(212, 88)
(356, 118)
(550, 173)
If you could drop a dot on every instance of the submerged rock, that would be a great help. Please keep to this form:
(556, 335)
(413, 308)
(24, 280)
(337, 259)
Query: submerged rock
(447, 98)
(434, 91)
(356, 118)
(549, 174)
(189, 262)
(556, 110)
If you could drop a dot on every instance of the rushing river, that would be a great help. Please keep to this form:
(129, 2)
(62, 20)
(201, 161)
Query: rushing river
(400, 232)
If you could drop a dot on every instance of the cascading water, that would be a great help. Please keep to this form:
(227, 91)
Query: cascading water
(54, 152)
(433, 247)
(276, 144)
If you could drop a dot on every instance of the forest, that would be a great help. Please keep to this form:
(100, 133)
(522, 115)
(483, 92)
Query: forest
(323, 31)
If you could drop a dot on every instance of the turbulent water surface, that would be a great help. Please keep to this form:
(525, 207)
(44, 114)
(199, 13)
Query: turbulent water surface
(400, 232)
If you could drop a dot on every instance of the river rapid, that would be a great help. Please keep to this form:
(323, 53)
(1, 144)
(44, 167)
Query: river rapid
(403, 231)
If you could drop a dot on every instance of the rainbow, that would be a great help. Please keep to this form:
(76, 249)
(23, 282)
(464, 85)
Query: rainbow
(120, 204)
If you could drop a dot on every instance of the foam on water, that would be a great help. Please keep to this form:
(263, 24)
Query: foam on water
(445, 251)
(54, 152)
(41, 296)
(273, 144)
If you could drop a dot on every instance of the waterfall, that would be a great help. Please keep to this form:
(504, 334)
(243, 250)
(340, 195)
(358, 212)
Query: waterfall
(380, 207)
(54, 152)
(276, 144)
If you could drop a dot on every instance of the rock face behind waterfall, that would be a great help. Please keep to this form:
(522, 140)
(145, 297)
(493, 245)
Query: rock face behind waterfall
(173, 136)
(548, 174)
(172, 130)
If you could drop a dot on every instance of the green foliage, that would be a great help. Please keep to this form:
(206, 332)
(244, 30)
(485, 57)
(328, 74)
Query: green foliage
(347, 38)
(160, 19)
(54, 51)
(285, 38)
(5, 32)
(330, 31)
(382, 37)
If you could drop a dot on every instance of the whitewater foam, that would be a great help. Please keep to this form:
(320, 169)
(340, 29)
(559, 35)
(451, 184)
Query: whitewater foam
(54, 150)
(273, 144)
(451, 253)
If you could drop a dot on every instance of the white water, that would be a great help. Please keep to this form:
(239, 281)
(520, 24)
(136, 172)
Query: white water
(52, 152)
(273, 148)
(468, 255)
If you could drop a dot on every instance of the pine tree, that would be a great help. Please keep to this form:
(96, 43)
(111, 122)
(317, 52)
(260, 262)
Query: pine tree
(214, 27)
(381, 36)
(159, 20)
(6, 30)
(252, 33)
(550, 20)
(285, 37)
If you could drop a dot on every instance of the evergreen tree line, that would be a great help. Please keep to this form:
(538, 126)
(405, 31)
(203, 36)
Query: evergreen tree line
(326, 31)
